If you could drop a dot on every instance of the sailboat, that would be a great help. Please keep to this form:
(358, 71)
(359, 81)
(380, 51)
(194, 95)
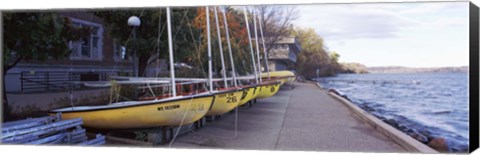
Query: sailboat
(172, 111)
(283, 76)
(267, 88)
(250, 91)
(226, 99)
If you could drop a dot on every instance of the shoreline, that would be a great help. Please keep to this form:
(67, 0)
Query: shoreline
(413, 104)
(396, 135)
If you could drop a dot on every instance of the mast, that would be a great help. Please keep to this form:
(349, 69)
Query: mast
(221, 49)
(210, 82)
(256, 43)
(264, 49)
(230, 48)
(170, 52)
(251, 46)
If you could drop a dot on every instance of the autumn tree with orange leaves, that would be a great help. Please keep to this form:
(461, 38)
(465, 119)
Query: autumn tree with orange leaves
(238, 38)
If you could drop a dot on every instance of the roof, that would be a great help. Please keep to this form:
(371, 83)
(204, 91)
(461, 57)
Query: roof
(287, 40)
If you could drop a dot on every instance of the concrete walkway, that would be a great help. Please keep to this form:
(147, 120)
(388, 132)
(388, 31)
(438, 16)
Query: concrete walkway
(304, 118)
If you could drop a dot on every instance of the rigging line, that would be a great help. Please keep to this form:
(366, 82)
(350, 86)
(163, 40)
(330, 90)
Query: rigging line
(158, 40)
(210, 82)
(118, 93)
(111, 92)
(71, 84)
(250, 42)
(151, 91)
(237, 45)
(157, 44)
(223, 65)
(181, 123)
(196, 48)
(92, 15)
(220, 48)
(141, 13)
(131, 32)
(170, 52)
(265, 57)
(229, 48)
(236, 121)
(181, 22)
(256, 45)
(233, 69)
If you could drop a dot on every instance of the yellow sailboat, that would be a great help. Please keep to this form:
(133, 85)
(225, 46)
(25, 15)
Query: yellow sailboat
(249, 93)
(283, 76)
(228, 98)
(225, 101)
(171, 111)
(268, 89)
(141, 114)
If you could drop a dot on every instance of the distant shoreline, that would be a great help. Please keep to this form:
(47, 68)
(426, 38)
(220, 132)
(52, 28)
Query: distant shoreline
(400, 69)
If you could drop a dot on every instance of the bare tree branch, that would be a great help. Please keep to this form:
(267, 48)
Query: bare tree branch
(277, 23)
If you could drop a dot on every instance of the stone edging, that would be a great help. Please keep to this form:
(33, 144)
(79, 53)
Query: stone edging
(397, 136)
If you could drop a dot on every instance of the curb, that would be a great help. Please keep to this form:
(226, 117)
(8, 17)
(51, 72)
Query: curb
(397, 136)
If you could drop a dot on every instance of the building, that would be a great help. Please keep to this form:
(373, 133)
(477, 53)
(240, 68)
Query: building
(93, 58)
(283, 55)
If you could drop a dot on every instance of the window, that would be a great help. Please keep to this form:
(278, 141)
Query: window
(90, 47)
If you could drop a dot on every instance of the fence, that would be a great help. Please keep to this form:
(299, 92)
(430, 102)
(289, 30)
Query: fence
(58, 80)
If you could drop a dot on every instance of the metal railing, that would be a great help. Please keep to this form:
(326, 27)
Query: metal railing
(58, 80)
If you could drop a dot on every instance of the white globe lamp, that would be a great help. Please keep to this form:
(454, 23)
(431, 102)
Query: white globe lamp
(134, 21)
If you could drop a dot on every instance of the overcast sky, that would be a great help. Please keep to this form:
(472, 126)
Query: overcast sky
(428, 34)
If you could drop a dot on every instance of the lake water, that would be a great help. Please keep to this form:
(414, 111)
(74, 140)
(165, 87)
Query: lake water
(435, 104)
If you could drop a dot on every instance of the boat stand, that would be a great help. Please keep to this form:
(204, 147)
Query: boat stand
(252, 102)
(155, 136)
(165, 135)
(159, 136)
(212, 118)
(200, 123)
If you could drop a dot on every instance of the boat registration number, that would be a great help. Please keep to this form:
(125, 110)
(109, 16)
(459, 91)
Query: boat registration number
(169, 107)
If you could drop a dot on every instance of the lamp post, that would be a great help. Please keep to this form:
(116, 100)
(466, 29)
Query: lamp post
(135, 22)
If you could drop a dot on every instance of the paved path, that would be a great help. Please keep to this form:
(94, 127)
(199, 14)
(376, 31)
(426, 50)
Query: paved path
(304, 118)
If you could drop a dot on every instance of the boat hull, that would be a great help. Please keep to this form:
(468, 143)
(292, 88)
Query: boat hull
(268, 90)
(154, 114)
(283, 76)
(225, 102)
(249, 94)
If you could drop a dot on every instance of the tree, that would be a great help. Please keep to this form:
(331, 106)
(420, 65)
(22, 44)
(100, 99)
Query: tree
(335, 65)
(151, 36)
(356, 68)
(334, 56)
(313, 55)
(238, 38)
(276, 22)
(35, 36)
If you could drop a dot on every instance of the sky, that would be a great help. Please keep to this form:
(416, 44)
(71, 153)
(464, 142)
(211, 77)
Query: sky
(421, 34)
(426, 34)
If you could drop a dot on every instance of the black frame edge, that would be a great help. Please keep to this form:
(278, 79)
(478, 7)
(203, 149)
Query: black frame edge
(473, 77)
